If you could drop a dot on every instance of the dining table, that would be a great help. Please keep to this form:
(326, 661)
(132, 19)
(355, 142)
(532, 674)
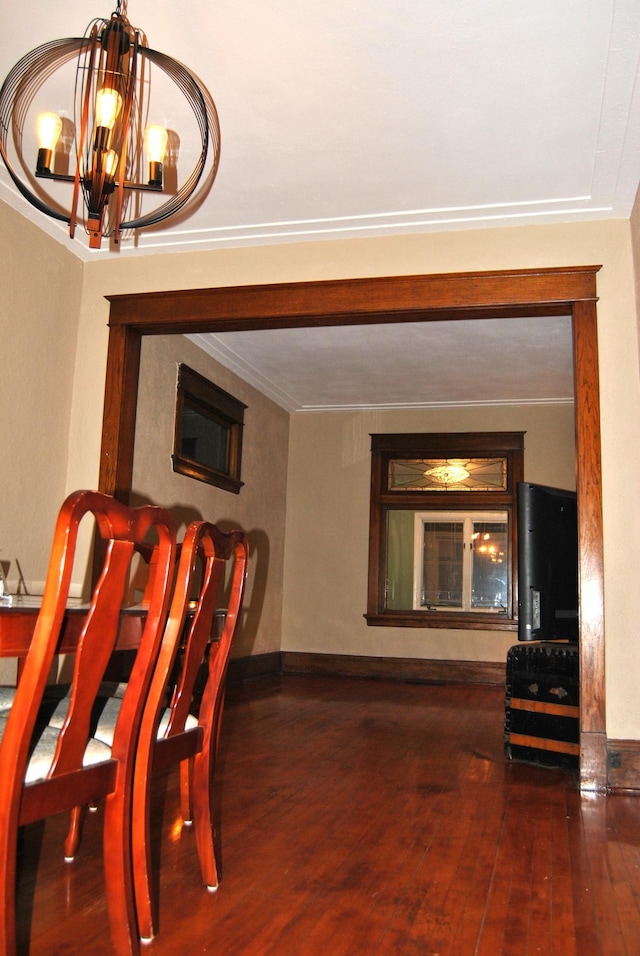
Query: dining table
(18, 620)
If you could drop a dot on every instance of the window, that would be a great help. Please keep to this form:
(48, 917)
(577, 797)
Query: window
(442, 531)
(460, 561)
(208, 432)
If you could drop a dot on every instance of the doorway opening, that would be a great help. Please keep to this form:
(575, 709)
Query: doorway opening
(547, 292)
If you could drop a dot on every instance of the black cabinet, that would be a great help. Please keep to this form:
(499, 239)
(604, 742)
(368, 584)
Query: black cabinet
(542, 706)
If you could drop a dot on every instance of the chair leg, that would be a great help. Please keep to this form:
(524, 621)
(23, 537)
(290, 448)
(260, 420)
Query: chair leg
(202, 790)
(74, 833)
(147, 907)
(118, 874)
(203, 817)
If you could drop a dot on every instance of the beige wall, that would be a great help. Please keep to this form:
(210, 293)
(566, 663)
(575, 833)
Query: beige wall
(328, 524)
(39, 308)
(259, 509)
(606, 242)
(634, 223)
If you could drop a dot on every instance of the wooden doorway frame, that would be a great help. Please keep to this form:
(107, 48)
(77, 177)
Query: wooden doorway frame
(476, 295)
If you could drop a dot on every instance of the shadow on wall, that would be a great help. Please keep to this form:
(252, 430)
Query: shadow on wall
(253, 605)
(258, 569)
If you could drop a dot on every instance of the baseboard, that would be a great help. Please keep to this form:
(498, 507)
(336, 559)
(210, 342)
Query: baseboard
(623, 764)
(394, 668)
(254, 667)
(420, 671)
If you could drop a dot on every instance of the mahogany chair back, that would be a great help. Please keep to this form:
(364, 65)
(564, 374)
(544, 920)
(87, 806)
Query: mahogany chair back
(173, 734)
(45, 770)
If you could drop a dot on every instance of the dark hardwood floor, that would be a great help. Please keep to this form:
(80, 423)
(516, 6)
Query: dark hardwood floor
(366, 817)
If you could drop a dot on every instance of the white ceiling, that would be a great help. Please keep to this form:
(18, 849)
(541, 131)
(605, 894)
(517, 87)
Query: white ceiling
(405, 365)
(383, 117)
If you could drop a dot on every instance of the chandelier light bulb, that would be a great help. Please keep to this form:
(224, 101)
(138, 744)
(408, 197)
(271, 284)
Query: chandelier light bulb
(108, 106)
(156, 139)
(49, 127)
(110, 165)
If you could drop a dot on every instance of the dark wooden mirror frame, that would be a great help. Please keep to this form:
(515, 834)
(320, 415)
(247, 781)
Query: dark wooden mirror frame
(218, 412)
(477, 295)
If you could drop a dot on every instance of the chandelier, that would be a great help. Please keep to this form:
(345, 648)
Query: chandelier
(114, 160)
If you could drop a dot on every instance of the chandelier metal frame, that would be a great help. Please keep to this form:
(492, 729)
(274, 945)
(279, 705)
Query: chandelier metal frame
(108, 161)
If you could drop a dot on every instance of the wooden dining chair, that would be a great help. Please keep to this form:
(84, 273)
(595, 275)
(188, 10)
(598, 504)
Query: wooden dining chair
(180, 736)
(45, 770)
(177, 729)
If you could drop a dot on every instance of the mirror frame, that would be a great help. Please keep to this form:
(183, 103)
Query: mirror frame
(218, 409)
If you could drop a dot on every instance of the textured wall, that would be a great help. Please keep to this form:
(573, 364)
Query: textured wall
(328, 524)
(259, 509)
(607, 242)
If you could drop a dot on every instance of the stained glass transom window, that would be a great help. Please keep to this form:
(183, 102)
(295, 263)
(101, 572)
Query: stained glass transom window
(447, 474)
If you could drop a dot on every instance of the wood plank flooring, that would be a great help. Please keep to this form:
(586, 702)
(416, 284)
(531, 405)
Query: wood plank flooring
(366, 817)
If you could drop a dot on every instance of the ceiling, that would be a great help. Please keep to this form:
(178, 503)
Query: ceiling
(404, 365)
(380, 118)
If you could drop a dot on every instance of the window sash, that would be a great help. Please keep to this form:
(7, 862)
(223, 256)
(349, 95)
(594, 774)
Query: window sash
(448, 573)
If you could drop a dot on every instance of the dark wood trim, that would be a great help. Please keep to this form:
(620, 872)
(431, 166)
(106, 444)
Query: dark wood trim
(482, 622)
(119, 412)
(254, 667)
(394, 668)
(591, 573)
(568, 291)
(623, 762)
(339, 301)
(383, 499)
(222, 417)
(276, 663)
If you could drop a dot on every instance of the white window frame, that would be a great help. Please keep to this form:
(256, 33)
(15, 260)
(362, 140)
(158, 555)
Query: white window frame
(467, 519)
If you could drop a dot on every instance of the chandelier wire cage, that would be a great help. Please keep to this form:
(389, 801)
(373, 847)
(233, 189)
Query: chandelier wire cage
(114, 64)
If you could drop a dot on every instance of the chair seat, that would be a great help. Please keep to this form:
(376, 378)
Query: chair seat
(7, 697)
(106, 713)
(54, 691)
(44, 751)
(106, 724)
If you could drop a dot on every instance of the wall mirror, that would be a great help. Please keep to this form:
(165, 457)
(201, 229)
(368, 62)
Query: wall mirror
(207, 442)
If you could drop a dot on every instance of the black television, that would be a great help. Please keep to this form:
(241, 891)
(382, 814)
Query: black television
(547, 563)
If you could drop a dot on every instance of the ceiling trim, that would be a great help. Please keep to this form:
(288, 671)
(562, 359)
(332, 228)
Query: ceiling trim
(401, 221)
(404, 406)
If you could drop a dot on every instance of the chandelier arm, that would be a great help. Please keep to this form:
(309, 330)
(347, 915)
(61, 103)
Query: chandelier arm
(207, 119)
(31, 197)
(123, 154)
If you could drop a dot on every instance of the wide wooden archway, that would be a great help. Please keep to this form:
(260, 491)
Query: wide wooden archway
(480, 295)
